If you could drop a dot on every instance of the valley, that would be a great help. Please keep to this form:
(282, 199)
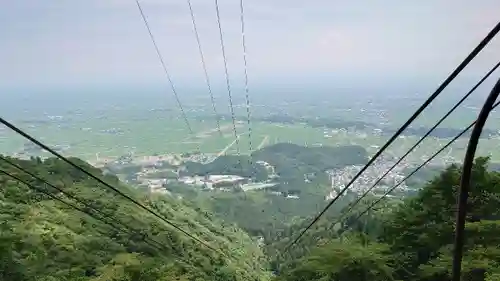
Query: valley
(257, 140)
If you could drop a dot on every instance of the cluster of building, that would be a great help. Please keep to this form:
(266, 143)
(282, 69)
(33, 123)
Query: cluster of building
(340, 178)
(156, 172)
(213, 181)
(156, 185)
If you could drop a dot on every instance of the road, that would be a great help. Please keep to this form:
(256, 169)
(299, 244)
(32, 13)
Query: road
(264, 142)
(228, 146)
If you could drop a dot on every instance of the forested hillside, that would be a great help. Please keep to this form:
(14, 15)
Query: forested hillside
(289, 161)
(301, 173)
(228, 165)
(261, 213)
(411, 240)
(44, 240)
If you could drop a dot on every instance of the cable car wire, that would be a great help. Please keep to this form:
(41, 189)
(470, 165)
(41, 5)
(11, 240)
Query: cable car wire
(107, 185)
(81, 201)
(352, 205)
(228, 84)
(203, 64)
(37, 189)
(247, 95)
(163, 65)
(465, 181)
(436, 93)
(389, 191)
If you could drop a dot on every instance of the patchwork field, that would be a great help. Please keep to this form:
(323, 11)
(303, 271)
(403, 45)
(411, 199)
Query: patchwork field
(156, 133)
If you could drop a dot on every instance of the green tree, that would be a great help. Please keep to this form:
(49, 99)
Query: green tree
(417, 232)
(343, 261)
(42, 239)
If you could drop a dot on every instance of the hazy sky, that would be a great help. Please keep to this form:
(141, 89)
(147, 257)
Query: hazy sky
(92, 42)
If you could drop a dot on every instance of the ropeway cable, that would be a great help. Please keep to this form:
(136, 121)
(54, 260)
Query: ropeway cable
(204, 66)
(158, 246)
(228, 85)
(107, 185)
(70, 196)
(438, 91)
(167, 74)
(352, 205)
(247, 95)
(101, 219)
(419, 167)
(465, 182)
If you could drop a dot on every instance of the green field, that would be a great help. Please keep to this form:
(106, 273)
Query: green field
(159, 135)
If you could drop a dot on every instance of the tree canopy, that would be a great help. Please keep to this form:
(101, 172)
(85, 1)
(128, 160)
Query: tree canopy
(42, 239)
(404, 239)
(411, 240)
(229, 165)
(290, 161)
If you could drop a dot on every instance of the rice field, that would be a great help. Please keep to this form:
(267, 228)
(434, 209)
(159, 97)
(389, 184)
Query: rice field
(153, 133)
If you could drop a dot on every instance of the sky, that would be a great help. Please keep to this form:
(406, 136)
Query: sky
(62, 43)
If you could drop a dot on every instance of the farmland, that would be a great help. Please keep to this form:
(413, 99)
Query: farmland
(149, 132)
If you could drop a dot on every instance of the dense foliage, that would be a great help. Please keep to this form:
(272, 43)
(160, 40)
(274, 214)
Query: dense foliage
(44, 240)
(301, 172)
(229, 165)
(408, 241)
(260, 213)
(422, 176)
(291, 159)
